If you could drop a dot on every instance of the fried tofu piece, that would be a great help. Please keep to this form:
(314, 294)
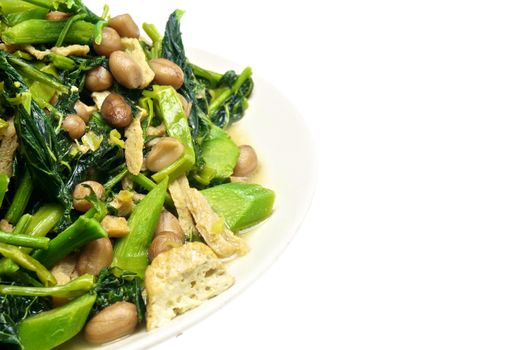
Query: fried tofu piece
(134, 146)
(178, 195)
(8, 146)
(71, 50)
(132, 46)
(181, 279)
(213, 228)
(123, 203)
(207, 222)
(115, 226)
(99, 98)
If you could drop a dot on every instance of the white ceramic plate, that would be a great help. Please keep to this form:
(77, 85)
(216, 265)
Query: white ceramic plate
(288, 166)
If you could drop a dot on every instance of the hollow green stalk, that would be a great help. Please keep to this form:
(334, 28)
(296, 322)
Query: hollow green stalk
(28, 263)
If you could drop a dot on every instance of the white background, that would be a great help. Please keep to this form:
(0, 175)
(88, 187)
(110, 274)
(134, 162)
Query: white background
(415, 237)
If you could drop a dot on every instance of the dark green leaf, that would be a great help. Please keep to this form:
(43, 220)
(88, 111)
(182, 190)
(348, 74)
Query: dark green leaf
(115, 285)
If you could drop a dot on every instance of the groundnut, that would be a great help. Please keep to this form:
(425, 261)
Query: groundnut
(95, 256)
(116, 111)
(82, 190)
(57, 16)
(98, 79)
(110, 42)
(169, 223)
(164, 153)
(64, 272)
(111, 323)
(74, 126)
(162, 243)
(247, 162)
(83, 111)
(125, 70)
(167, 72)
(125, 26)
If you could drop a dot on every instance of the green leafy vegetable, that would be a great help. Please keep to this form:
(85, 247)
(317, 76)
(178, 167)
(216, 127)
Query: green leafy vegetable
(12, 6)
(39, 93)
(217, 102)
(24, 241)
(51, 328)
(44, 219)
(41, 31)
(73, 289)
(38, 142)
(27, 262)
(12, 19)
(168, 106)
(22, 194)
(241, 204)
(4, 183)
(14, 309)
(227, 94)
(115, 285)
(81, 232)
(131, 252)
(192, 90)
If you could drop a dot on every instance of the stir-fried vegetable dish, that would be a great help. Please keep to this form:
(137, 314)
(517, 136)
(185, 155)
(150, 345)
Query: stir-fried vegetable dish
(122, 192)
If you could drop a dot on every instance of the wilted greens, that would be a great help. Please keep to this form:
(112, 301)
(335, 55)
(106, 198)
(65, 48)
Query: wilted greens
(99, 127)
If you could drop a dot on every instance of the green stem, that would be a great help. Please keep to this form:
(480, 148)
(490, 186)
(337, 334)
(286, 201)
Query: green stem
(22, 225)
(8, 267)
(67, 27)
(73, 7)
(49, 329)
(210, 76)
(152, 32)
(81, 232)
(23, 278)
(22, 195)
(40, 3)
(13, 19)
(44, 220)
(62, 62)
(168, 107)
(98, 31)
(14, 6)
(214, 106)
(41, 31)
(131, 252)
(156, 39)
(4, 183)
(115, 180)
(76, 287)
(105, 12)
(33, 73)
(148, 184)
(24, 241)
(41, 223)
(28, 263)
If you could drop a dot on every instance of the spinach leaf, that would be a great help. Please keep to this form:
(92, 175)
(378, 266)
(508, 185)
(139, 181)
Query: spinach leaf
(192, 89)
(14, 309)
(115, 285)
(227, 94)
(102, 161)
(8, 334)
(38, 141)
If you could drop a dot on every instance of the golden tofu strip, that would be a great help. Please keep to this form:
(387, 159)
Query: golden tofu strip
(208, 223)
(8, 148)
(134, 146)
(178, 195)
